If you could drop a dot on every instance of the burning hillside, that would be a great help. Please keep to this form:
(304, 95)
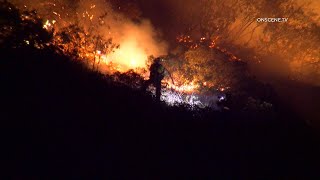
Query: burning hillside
(151, 89)
(110, 42)
(111, 37)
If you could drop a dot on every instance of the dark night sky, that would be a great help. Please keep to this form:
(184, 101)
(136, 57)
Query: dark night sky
(170, 17)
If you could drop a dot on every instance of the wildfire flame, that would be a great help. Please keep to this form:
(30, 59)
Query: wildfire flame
(185, 87)
(128, 56)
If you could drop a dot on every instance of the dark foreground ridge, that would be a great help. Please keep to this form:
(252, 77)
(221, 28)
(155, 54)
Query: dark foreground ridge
(62, 120)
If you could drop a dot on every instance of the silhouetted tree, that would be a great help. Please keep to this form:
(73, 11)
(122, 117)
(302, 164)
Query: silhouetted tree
(21, 29)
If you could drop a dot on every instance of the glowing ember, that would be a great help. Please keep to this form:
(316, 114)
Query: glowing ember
(185, 88)
(48, 25)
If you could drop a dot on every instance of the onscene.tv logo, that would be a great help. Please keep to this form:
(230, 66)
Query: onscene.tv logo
(272, 20)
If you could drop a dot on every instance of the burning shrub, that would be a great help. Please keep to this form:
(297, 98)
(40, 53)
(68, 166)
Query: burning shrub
(75, 41)
(208, 69)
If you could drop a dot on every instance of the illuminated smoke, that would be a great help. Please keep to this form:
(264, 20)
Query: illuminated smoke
(137, 42)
